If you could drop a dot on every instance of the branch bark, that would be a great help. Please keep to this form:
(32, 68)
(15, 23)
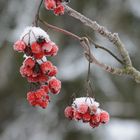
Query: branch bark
(128, 68)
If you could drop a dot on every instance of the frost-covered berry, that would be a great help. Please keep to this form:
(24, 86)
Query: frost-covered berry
(54, 85)
(83, 108)
(95, 118)
(87, 110)
(104, 117)
(55, 5)
(29, 62)
(59, 10)
(53, 51)
(93, 125)
(38, 98)
(86, 117)
(77, 115)
(46, 67)
(38, 55)
(25, 71)
(69, 112)
(19, 46)
(53, 71)
(36, 48)
(50, 4)
(45, 87)
(47, 46)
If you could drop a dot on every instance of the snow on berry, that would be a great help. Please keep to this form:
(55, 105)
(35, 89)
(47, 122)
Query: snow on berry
(37, 46)
(87, 110)
(33, 34)
(83, 108)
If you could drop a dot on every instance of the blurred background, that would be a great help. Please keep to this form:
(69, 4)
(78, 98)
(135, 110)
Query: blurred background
(120, 96)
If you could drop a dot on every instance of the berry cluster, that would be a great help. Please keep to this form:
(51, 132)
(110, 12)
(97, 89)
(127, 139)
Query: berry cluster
(37, 46)
(55, 5)
(87, 110)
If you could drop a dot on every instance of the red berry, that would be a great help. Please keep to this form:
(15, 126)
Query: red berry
(50, 4)
(39, 55)
(104, 117)
(46, 67)
(86, 117)
(36, 48)
(59, 10)
(47, 46)
(95, 118)
(38, 98)
(30, 96)
(53, 71)
(45, 87)
(77, 115)
(93, 125)
(25, 71)
(29, 62)
(39, 93)
(54, 85)
(43, 104)
(32, 79)
(42, 78)
(19, 46)
(83, 108)
(69, 112)
(53, 51)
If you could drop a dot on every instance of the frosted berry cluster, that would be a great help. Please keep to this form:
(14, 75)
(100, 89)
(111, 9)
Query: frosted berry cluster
(55, 5)
(87, 110)
(37, 46)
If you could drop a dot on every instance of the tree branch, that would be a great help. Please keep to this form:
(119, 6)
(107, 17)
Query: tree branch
(128, 69)
(85, 44)
(113, 38)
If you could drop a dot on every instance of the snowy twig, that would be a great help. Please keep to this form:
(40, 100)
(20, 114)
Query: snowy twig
(128, 68)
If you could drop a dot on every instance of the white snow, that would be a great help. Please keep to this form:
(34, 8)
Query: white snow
(31, 34)
(85, 100)
(40, 61)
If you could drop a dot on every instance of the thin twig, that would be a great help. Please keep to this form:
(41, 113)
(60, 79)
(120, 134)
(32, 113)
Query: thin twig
(112, 37)
(60, 30)
(37, 14)
(107, 50)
